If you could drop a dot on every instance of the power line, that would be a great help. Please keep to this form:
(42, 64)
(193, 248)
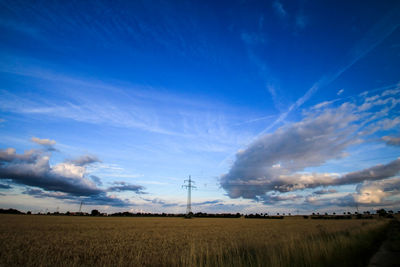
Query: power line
(80, 207)
(189, 187)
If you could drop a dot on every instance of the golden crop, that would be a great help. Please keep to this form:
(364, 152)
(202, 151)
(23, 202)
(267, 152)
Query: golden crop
(116, 241)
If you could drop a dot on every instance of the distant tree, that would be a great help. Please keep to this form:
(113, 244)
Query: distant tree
(95, 213)
(29, 212)
(334, 213)
(381, 212)
(189, 215)
(10, 211)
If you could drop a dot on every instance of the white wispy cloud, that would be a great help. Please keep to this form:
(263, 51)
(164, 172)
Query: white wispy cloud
(301, 20)
(375, 36)
(391, 140)
(278, 7)
(45, 142)
(117, 31)
(135, 107)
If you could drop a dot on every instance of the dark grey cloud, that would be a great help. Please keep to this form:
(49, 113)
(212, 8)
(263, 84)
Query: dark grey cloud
(84, 160)
(104, 199)
(68, 180)
(325, 191)
(210, 202)
(161, 202)
(278, 198)
(275, 162)
(10, 155)
(268, 163)
(123, 186)
(38, 193)
(36, 171)
(378, 172)
(99, 199)
(5, 186)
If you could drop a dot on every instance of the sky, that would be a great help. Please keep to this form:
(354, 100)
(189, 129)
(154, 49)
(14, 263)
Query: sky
(269, 106)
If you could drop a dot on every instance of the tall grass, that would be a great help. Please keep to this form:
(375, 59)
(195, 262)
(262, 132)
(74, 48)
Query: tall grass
(84, 241)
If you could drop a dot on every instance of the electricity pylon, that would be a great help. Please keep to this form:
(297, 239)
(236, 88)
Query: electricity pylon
(189, 187)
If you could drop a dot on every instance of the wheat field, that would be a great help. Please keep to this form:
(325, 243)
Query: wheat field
(116, 241)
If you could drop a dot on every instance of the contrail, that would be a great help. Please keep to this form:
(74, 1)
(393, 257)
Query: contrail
(375, 36)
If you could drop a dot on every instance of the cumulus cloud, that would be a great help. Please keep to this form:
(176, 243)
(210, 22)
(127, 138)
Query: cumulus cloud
(270, 161)
(36, 171)
(391, 140)
(275, 162)
(123, 186)
(376, 192)
(66, 180)
(381, 193)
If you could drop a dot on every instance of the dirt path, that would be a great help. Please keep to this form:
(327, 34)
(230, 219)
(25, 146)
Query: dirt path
(389, 252)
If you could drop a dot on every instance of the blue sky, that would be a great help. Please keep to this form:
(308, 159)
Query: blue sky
(271, 106)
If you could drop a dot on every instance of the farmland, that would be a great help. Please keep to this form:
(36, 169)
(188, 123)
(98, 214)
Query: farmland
(115, 241)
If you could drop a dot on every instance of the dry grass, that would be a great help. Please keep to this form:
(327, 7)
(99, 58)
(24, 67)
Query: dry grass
(87, 241)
